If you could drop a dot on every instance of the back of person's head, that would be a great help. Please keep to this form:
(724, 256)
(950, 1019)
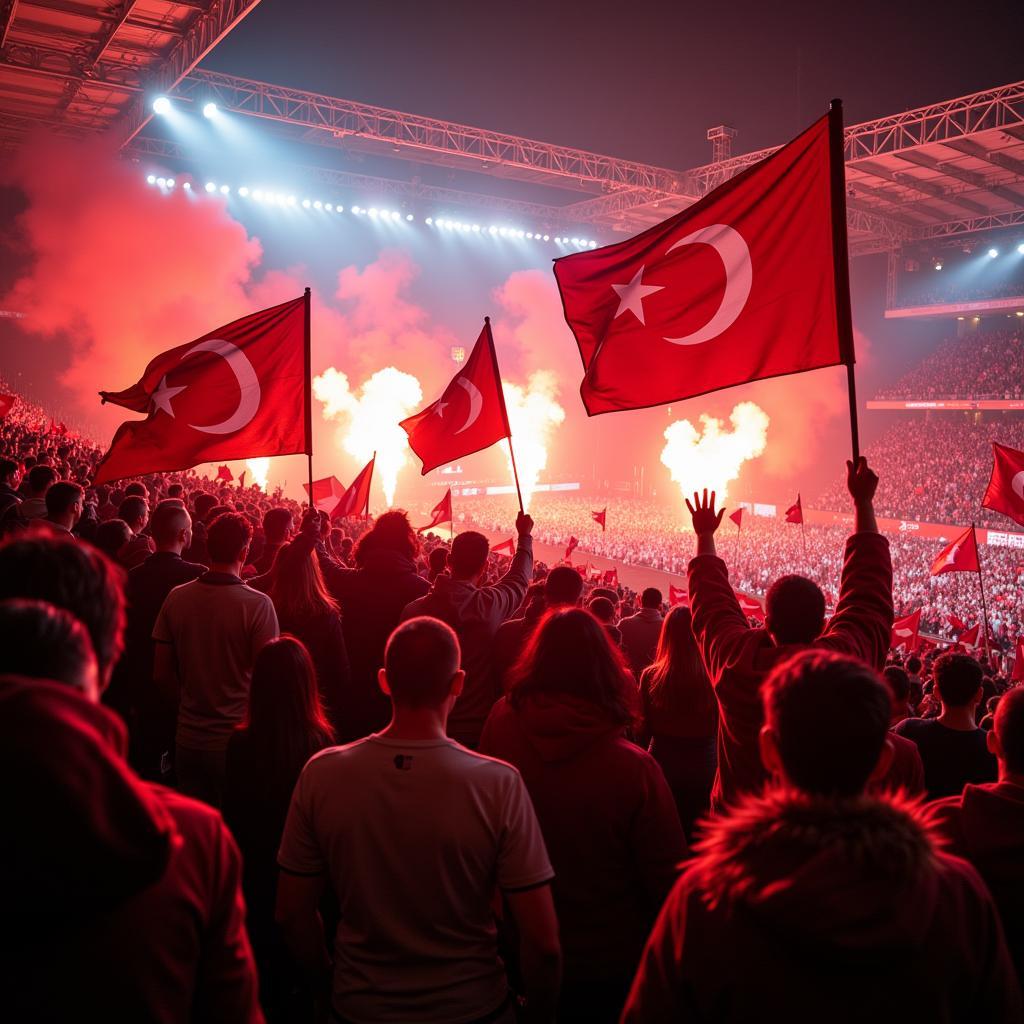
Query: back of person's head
(136, 489)
(563, 587)
(41, 641)
(134, 510)
(607, 593)
(175, 491)
(651, 598)
(111, 536)
(602, 609)
(61, 498)
(421, 660)
(898, 682)
(957, 679)
(570, 653)
(468, 555)
(215, 511)
(277, 525)
(57, 569)
(40, 478)
(202, 503)
(8, 470)
(438, 560)
(828, 716)
(297, 584)
(677, 680)
(913, 665)
(794, 610)
(228, 538)
(391, 532)
(1008, 730)
(171, 525)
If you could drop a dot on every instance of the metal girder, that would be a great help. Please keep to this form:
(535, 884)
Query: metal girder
(969, 225)
(211, 25)
(961, 174)
(1008, 163)
(8, 8)
(98, 14)
(927, 188)
(59, 64)
(617, 203)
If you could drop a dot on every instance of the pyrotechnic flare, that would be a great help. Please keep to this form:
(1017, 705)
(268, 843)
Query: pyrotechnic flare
(533, 414)
(713, 456)
(260, 470)
(372, 416)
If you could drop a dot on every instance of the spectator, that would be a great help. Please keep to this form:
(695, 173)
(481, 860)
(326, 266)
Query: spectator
(111, 536)
(413, 832)
(475, 612)
(570, 700)
(813, 900)
(897, 681)
(603, 609)
(437, 563)
(640, 632)
(134, 510)
(37, 482)
(738, 658)
(952, 747)
(208, 634)
(680, 717)
(64, 504)
(277, 529)
(10, 478)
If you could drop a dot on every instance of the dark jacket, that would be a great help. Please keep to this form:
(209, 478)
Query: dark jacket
(801, 909)
(324, 638)
(739, 658)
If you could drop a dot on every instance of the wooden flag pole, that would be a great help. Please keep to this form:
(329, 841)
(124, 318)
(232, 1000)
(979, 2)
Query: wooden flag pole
(981, 585)
(309, 397)
(841, 262)
(504, 412)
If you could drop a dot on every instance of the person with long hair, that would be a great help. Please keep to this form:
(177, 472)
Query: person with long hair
(606, 812)
(286, 725)
(680, 716)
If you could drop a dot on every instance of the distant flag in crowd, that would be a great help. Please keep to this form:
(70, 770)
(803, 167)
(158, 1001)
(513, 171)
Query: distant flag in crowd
(611, 577)
(470, 414)
(57, 428)
(795, 512)
(571, 547)
(1018, 660)
(356, 500)
(239, 392)
(750, 606)
(960, 555)
(506, 548)
(225, 474)
(241, 479)
(737, 517)
(906, 631)
(1005, 491)
(969, 637)
(326, 493)
(6, 404)
(956, 622)
(583, 569)
(601, 518)
(440, 513)
(678, 595)
(655, 322)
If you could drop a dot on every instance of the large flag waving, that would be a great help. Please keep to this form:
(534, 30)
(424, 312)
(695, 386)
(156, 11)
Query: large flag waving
(326, 493)
(440, 513)
(468, 417)
(961, 555)
(750, 282)
(795, 512)
(1005, 491)
(906, 631)
(239, 392)
(356, 500)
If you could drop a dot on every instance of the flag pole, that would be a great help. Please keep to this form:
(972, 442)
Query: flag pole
(981, 585)
(309, 395)
(504, 412)
(841, 262)
(369, 484)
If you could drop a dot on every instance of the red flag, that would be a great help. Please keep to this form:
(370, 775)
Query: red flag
(6, 404)
(583, 569)
(356, 500)
(678, 595)
(468, 417)
(241, 479)
(601, 518)
(52, 429)
(440, 513)
(737, 517)
(795, 513)
(571, 547)
(738, 287)
(750, 606)
(905, 631)
(956, 622)
(238, 392)
(961, 555)
(326, 493)
(1005, 491)
(506, 549)
(224, 474)
(611, 577)
(1018, 660)
(969, 638)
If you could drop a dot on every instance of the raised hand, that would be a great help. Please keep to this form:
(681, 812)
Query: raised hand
(524, 524)
(861, 481)
(705, 519)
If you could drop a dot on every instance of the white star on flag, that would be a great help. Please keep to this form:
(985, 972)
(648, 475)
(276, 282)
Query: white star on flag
(632, 295)
(163, 395)
(441, 406)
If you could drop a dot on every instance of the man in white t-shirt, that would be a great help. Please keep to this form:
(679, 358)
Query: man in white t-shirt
(415, 834)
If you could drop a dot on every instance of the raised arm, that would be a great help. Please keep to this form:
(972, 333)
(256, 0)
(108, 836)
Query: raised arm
(507, 594)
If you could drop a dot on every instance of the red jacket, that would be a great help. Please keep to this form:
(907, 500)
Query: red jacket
(738, 658)
(800, 909)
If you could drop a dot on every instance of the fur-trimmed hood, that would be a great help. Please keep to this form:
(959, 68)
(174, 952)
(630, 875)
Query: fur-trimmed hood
(858, 873)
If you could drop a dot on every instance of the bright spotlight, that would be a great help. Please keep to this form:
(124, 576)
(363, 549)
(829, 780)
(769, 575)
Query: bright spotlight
(209, 110)
(503, 232)
(410, 218)
(476, 227)
(340, 209)
(993, 253)
(493, 230)
(292, 200)
(170, 183)
(373, 211)
(243, 191)
(317, 205)
(938, 266)
(430, 220)
(306, 204)
(1020, 248)
(593, 244)
(162, 182)
(575, 241)
(211, 187)
(225, 189)
(329, 207)
(161, 105)
(187, 186)
(258, 195)
(547, 238)
(150, 179)
(529, 234)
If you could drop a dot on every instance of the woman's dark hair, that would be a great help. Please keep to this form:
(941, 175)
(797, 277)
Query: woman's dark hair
(570, 653)
(286, 721)
(297, 585)
(677, 680)
(391, 532)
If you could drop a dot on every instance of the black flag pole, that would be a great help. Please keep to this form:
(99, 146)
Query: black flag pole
(309, 398)
(981, 584)
(504, 413)
(841, 262)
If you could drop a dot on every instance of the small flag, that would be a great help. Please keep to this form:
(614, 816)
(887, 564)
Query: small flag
(6, 404)
(611, 577)
(969, 637)
(225, 474)
(905, 631)
(1005, 491)
(506, 548)
(961, 555)
(601, 518)
(571, 547)
(795, 512)
(356, 500)
(440, 513)
(750, 606)
(326, 493)
(678, 595)
(956, 622)
(737, 517)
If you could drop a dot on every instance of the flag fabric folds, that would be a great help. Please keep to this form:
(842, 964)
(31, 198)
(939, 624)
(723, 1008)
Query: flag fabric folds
(468, 417)
(738, 287)
(440, 513)
(969, 637)
(750, 607)
(326, 493)
(960, 555)
(795, 512)
(225, 474)
(678, 595)
(506, 548)
(241, 479)
(6, 404)
(1005, 491)
(906, 631)
(601, 518)
(737, 517)
(1018, 660)
(571, 547)
(611, 577)
(956, 622)
(356, 500)
(238, 392)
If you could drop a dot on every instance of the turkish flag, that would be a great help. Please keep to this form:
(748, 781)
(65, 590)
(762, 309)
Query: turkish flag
(1018, 660)
(1005, 491)
(795, 513)
(468, 417)
(969, 638)
(737, 517)
(225, 474)
(356, 500)
(238, 392)
(738, 287)
(956, 622)
(6, 404)
(905, 631)
(961, 555)
(601, 518)
(611, 577)
(326, 493)
(571, 547)
(678, 595)
(241, 479)
(506, 549)
(440, 513)
(750, 606)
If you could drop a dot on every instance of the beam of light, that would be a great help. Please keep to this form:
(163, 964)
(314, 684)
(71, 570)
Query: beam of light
(210, 110)
(368, 418)
(533, 414)
(260, 471)
(161, 105)
(713, 456)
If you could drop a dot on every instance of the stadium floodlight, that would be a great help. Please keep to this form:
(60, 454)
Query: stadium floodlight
(339, 208)
(306, 204)
(150, 179)
(210, 110)
(161, 105)
(170, 183)
(243, 191)
(993, 253)
(258, 195)
(410, 218)
(211, 187)
(547, 238)
(1020, 248)
(317, 205)
(187, 186)
(225, 189)
(430, 220)
(162, 182)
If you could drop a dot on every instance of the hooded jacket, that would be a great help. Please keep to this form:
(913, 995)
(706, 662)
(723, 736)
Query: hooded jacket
(123, 899)
(609, 822)
(801, 908)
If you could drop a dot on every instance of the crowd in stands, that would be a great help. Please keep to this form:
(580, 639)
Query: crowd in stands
(976, 365)
(264, 765)
(933, 287)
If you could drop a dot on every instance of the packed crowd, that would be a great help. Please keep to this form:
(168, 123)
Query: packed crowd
(934, 287)
(976, 365)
